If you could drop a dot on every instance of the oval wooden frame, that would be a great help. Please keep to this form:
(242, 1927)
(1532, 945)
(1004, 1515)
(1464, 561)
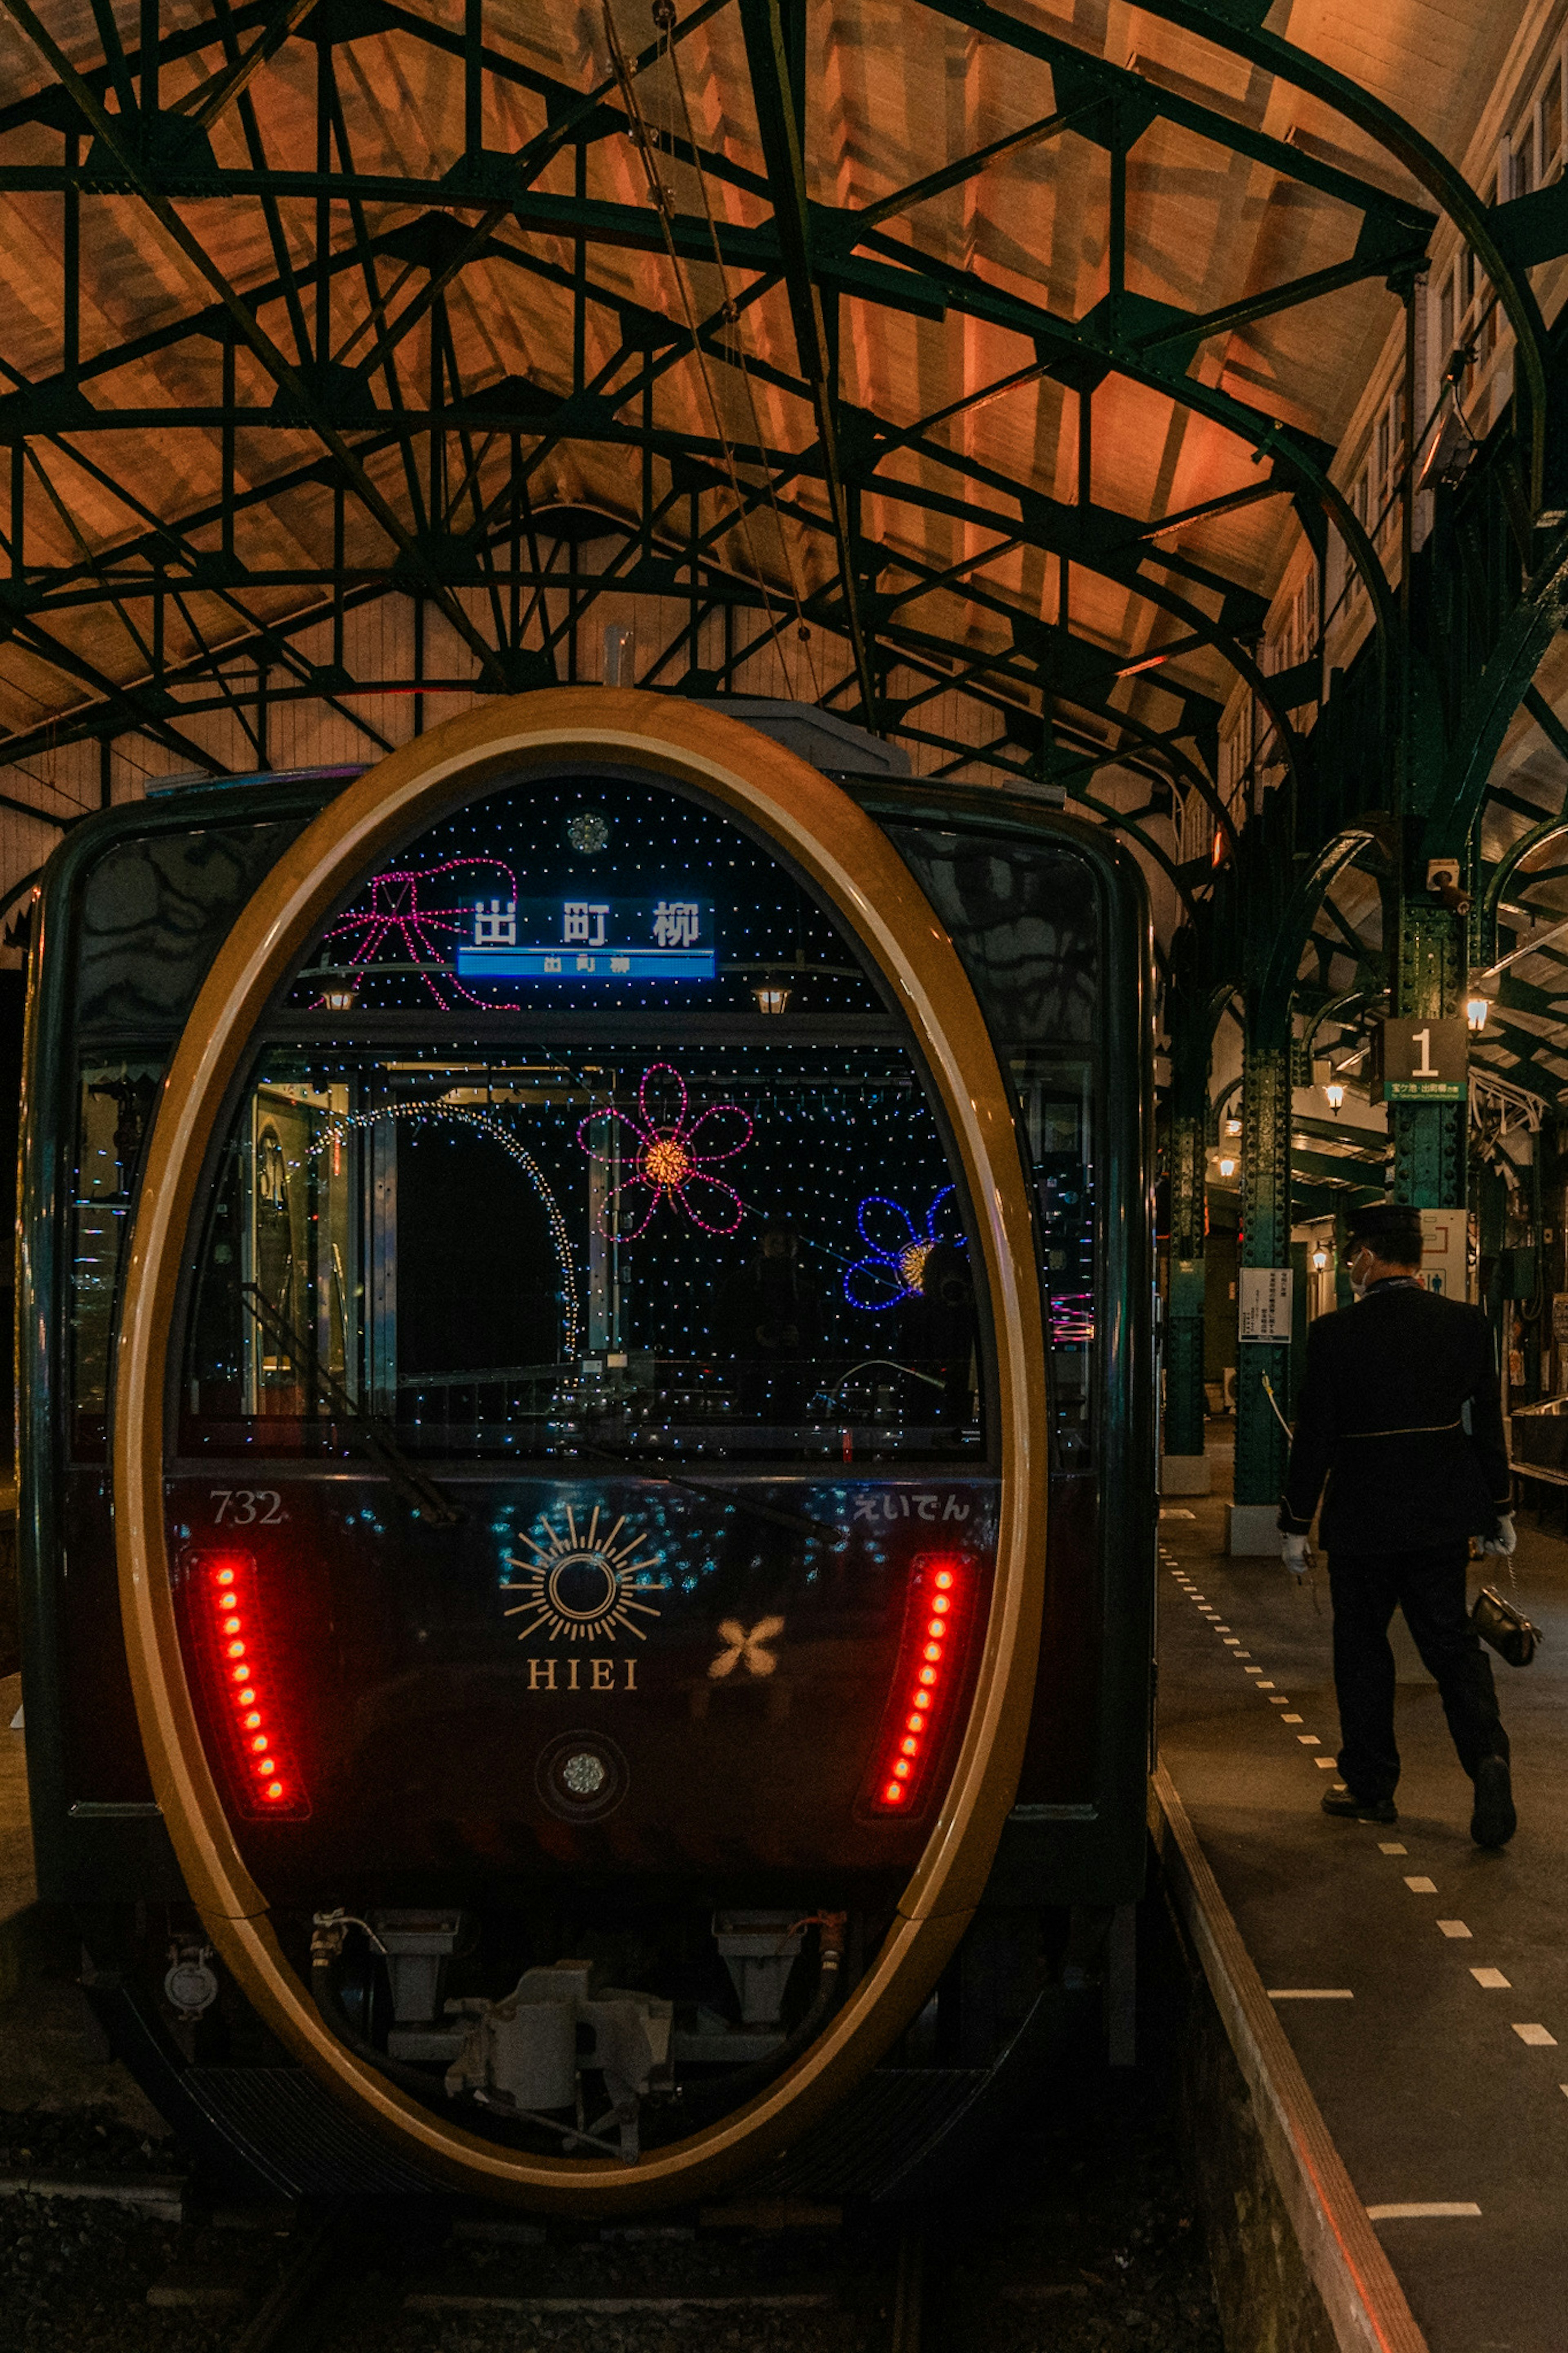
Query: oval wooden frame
(851, 860)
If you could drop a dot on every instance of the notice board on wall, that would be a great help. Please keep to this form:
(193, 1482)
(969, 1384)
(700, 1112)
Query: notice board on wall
(1263, 1304)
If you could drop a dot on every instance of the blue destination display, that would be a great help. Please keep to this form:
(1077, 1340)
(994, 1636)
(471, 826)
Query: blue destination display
(584, 939)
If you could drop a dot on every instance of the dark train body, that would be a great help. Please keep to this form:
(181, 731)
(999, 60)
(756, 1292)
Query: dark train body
(548, 1665)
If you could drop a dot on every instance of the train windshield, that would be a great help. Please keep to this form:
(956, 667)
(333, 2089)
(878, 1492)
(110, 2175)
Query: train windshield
(585, 1137)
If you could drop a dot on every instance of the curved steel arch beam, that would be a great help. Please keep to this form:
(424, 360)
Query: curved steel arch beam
(1278, 981)
(1508, 674)
(1535, 838)
(1424, 162)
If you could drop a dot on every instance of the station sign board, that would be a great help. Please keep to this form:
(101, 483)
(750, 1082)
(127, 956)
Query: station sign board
(1423, 1059)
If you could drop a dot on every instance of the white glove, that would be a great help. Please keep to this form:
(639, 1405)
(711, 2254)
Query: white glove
(1296, 1555)
(1501, 1544)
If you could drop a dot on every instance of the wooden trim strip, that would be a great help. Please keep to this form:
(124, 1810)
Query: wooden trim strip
(1343, 2252)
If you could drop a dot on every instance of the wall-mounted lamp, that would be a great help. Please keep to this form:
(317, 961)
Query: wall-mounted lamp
(1476, 1009)
(1320, 1259)
(1233, 1127)
(1226, 1166)
(1334, 1095)
(771, 998)
(340, 997)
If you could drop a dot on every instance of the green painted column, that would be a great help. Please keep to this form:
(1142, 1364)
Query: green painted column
(1184, 1431)
(1430, 1139)
(1260, 1443)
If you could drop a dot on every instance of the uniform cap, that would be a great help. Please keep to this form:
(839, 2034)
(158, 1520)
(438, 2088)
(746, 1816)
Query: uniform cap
(1390, 1228)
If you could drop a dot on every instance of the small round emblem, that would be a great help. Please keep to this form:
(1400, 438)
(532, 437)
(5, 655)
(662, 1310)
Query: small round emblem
(588, 831)
(582, 1776)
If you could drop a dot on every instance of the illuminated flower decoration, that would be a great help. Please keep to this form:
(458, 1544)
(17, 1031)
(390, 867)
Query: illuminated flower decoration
(895, 1270)
(666, 1158)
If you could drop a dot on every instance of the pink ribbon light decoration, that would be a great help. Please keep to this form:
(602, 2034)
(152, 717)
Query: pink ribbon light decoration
(663, 1158)
(399, 918)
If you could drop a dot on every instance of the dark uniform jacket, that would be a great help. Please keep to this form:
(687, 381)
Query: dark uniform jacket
(1399, 1411)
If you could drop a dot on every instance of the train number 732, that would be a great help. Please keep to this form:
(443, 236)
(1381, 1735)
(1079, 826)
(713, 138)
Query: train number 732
(243, 1507)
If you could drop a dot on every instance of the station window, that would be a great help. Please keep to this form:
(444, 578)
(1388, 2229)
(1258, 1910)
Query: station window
(1552, 125)
(1522, 157)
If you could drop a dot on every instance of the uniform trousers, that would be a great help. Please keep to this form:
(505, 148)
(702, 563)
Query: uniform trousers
(1429, 1587)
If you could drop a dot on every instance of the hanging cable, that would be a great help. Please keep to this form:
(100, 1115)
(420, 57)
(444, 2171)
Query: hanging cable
(661, 198)
(731, 314)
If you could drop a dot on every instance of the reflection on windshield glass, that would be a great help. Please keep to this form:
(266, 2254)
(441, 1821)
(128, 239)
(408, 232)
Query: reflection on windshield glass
(726, 1249)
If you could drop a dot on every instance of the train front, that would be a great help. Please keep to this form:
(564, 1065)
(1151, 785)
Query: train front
(580, 1545)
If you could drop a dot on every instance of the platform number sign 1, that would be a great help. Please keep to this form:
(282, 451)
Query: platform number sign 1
(1424, 1060)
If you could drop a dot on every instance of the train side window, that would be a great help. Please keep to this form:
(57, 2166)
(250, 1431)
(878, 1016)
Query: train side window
(1026, 919)
(114, 1107)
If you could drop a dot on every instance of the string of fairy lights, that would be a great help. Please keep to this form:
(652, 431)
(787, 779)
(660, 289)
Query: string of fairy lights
(512, 1144)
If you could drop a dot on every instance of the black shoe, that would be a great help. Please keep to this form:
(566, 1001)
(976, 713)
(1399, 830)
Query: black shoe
(1494, 1821)
(1352, 1809)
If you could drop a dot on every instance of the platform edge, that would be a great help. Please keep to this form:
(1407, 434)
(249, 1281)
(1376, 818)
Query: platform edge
(1345, 2257)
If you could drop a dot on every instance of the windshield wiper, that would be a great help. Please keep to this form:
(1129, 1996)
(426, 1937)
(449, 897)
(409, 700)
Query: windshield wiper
(797, 1522)
(428, 1502)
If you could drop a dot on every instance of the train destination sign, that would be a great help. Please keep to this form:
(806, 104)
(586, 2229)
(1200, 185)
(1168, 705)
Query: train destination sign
(588, 939)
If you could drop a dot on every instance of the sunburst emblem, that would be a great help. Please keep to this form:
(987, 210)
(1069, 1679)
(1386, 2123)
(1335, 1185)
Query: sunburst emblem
(581, 1586)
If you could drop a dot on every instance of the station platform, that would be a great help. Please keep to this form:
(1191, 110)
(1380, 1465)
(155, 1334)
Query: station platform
(1421, 1983)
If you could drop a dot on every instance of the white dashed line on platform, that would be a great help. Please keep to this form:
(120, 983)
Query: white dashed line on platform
(1310, 1993)
(1307, 1739)
(1418, 1886)
(1328, 1765)
(1257, 1671)
(1247, 1654)
(1391, 1846)
(1537, 2037)
(1493, 1980)
(1453, 1927)
(1290, 1719)
(1444, 2211)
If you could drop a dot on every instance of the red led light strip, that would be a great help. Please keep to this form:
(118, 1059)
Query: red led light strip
(267, 1783)
(929, 1663)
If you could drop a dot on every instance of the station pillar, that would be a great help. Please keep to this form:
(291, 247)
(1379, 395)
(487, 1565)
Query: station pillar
(1430, 1140)
(1183, 1468)
(1261, 1442)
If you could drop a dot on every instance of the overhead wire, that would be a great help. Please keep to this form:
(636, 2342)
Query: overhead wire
(661, 198)
(732, 315)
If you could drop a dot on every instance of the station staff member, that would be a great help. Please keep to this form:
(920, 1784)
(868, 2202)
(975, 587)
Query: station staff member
(1399, 1413)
